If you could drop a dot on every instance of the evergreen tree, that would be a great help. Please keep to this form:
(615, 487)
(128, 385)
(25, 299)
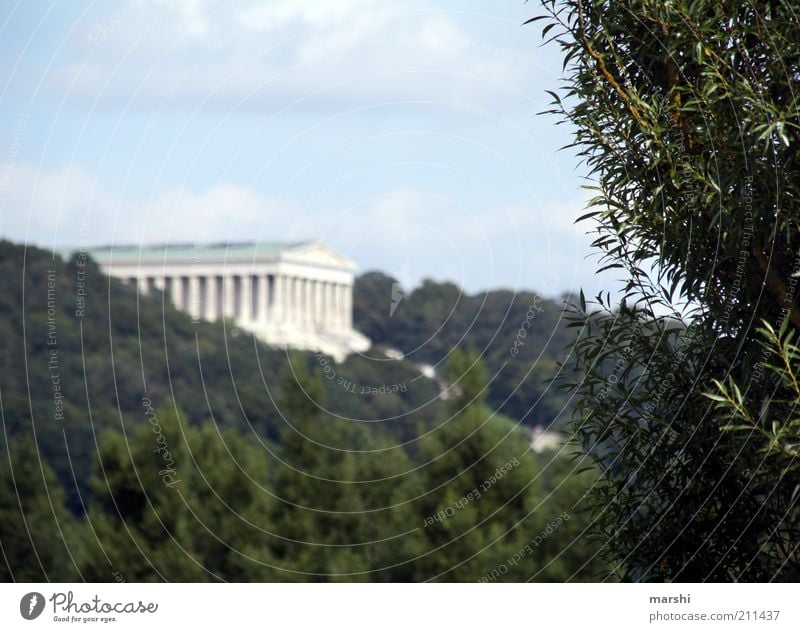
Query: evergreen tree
(179, 504)
(483, 497)
(139, 514)
(387, 497)
(39, 539)
(571, 548)
(313, 517)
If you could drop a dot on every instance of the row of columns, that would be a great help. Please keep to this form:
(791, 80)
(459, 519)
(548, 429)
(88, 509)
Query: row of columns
(264, 298)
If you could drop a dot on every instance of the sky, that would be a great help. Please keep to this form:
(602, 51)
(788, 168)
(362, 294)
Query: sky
(405, 135)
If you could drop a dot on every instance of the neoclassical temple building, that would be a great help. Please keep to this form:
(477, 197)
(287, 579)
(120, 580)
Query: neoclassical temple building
(288, 294)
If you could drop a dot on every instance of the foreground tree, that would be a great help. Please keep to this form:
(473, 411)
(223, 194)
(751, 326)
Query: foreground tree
(177, 503)
(314, 527)
(483, 503)
(39, 539)
(687, 121)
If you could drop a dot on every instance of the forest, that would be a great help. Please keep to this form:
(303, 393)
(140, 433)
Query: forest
(182, 451)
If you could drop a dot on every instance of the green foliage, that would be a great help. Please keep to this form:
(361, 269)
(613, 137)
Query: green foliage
(39, 539)
(685, 120)
(118, 348)
(429, 322)
(390, 395)
(206, 456)
(573, 552)
(468, 380)
(772, 426)
(312, 517)
(108, 355)
(485, 501)
(484, 474)
(178, 504)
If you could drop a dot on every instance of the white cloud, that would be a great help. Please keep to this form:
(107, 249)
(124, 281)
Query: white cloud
(425, 236)
(213, 215)
(404, 232)
(193, 15)
(278, 51)
(316, 13)
(67, 206)
(157, 64)
(43, 205)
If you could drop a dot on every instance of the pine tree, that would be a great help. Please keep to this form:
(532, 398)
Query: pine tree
(139, 514)
(313, 517)
(39, 539)
(180, 504)
(483, 498)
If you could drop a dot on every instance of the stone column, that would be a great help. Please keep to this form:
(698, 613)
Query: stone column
(228, 296)
(308, 307)
(340, 306)
(289, 296)
(287, 299)
(318, 302)
(211, 298)
(288, 293)
(291, 306)
(299, 313)
(323, 290)
(178, 293)
(276, 309)
(303, 305)
(297, 309)
(282, 298)
(312, 304)
(336, 316)
(333, 306)
(158, 282)
(329, 307)
(194, 306)
(201, 300)
(263, 298)
(246, 298)
(348, 307)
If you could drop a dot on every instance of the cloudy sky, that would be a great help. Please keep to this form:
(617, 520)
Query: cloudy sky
(403, 134)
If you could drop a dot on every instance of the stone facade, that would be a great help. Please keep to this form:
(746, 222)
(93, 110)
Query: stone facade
(288, 294)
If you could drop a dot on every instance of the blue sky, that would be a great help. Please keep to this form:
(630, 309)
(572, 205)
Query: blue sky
(405, 136)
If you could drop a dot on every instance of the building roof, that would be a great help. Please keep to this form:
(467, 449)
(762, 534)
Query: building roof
(314, 252)
(186, 251)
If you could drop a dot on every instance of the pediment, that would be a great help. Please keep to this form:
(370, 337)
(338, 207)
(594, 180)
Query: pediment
(319, 254)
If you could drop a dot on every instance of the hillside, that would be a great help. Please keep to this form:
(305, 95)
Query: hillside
(82, 353)
(191, 452)
(520, 335)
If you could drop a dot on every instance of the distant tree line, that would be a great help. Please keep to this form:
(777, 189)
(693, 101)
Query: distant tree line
(521, 336)
(191, 452)
(170, 501)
